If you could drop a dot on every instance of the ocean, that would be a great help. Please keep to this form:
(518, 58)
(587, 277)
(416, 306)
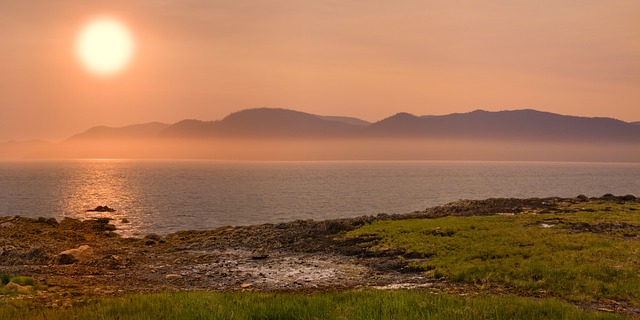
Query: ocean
(167, 196)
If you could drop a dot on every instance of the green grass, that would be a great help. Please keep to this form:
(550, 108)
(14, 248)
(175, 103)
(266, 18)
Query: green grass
(516, 252)
(343, 305)
(23, 281)
(27, 284)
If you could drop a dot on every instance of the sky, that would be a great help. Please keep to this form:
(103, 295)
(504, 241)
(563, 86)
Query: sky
(203, 59)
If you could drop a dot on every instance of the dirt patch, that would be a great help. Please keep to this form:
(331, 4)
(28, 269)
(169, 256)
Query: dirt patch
(608, 228)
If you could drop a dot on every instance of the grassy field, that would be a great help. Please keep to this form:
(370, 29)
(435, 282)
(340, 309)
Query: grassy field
(343, 305)
(586, 255)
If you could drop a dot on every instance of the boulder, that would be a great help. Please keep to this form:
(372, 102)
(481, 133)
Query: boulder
(81, 253)
(71, 256)
(12, 286)
(62, 259)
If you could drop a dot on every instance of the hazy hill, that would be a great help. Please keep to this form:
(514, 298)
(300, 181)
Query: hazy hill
(347, 120)
(518, 125)
(267, 123)
(636, 123)
(523, 125)
(136, 131)
(280, 134)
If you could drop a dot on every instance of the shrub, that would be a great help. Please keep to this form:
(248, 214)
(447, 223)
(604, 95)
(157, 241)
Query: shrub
(5, 278)
(23, 281)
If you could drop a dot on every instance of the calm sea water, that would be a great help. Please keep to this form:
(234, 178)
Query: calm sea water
(167, 196)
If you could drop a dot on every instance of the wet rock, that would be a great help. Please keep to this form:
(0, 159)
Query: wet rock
(102, 209)
(152, 238)
(48, 221)
(628, 197)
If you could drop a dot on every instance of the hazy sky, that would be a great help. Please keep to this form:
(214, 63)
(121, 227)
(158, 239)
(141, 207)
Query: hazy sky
(365, 58)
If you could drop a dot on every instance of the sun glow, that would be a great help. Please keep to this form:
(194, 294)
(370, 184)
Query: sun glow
(105, 46)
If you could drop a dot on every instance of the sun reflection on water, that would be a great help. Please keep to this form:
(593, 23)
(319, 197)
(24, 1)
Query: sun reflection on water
(103, 183)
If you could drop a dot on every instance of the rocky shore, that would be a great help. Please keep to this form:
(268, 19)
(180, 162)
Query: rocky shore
(73, 260)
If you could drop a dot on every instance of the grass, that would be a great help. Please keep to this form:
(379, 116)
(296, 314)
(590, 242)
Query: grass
(587, 255)
(343, 305)
(25, 284)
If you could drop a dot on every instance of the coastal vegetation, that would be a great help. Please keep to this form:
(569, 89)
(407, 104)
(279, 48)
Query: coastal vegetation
(12, 285)
(350, 305)
(588, 253)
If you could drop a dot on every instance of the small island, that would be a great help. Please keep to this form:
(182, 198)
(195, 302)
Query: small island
(102, 209)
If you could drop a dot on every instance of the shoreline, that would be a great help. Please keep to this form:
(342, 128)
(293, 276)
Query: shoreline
(78, 260)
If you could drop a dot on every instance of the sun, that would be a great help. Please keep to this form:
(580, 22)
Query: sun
(105, 46)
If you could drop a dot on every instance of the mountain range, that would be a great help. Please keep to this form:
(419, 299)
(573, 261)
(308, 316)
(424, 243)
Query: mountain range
(283, 134)
(518, 125)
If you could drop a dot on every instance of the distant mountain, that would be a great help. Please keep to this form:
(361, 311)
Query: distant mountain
(266, 123)
(280, 134)
(636, 123)
(136, 131)
(347, 120)
(523, 125)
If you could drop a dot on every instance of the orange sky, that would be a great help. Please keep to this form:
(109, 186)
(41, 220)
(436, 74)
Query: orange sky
(369, 59)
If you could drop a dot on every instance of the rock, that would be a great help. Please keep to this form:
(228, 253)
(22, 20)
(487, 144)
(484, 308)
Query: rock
(582, 198)
(72, 256)
(608, 196)
(63, 259)
(246, 285)
(102, 209)
(259, 254)
(47, 221)
(628, 197)
(4, 250)
(152, 238)
(173, 276)
(12, 286)
(124, 220)
(7, 225)
(36, 254)
(81, 253)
